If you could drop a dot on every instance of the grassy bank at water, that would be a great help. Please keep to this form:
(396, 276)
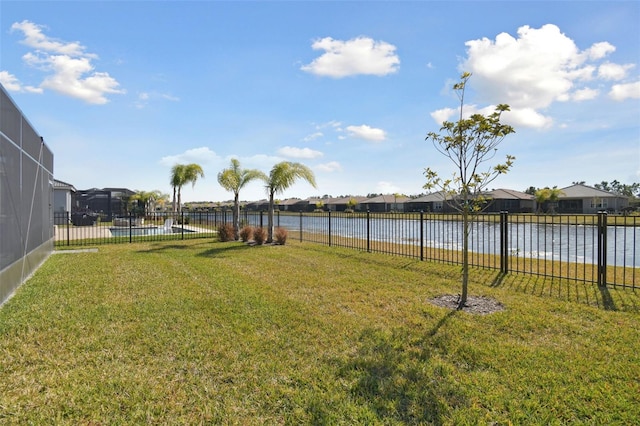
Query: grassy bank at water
(196, 331)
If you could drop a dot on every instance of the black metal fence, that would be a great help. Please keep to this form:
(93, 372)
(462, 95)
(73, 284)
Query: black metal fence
(597, 249)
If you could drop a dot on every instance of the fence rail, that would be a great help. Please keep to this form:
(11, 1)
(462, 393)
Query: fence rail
(599, 249)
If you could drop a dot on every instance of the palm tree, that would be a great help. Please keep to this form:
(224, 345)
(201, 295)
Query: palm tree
(177, 181)
(550, 195)
(180, 176)
(146, 200)
(281, 177)
(234, 179)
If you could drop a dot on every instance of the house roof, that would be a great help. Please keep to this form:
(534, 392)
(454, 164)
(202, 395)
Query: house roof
(387, 198)
(584, 191)
(58, 184)
(345, 200)
(430, 198)
(508, 194)
(496, 194)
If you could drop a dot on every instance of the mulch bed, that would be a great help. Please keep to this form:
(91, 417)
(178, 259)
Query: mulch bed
(475, 304)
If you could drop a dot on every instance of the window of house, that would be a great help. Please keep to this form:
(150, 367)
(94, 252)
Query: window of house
(599, 203)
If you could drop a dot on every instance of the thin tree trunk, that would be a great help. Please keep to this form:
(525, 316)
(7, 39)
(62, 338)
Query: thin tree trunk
(465, 259)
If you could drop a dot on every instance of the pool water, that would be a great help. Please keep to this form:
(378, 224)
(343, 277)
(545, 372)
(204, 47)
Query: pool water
(141, 230)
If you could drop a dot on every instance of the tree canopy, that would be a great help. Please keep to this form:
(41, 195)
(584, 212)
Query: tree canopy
(469, 143)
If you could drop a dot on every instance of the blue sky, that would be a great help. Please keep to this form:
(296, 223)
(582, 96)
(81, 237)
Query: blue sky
(121, 91)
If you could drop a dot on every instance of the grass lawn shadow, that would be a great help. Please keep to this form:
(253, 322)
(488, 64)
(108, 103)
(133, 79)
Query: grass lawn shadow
(610, 298)
(391, 368)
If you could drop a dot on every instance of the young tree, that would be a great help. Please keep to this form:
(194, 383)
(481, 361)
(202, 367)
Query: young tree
(281, 177)
(234, 179)
(469, 143)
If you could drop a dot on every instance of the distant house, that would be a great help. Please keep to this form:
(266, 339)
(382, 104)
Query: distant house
(108, 201)
(342, 203)
(434, 202)
(385, 203)
(259, 205)
(509, 200)
(497, 200)
(62, 201)
(292, 205)
(588, 200)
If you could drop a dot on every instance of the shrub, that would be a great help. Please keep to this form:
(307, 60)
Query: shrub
(246, 233)
(259, 235)
(280, 236)
(225, 232)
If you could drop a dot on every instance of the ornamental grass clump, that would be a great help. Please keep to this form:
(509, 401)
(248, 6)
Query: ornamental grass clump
(246, 233)
(225, 233)
(259, 235)
(280, 236)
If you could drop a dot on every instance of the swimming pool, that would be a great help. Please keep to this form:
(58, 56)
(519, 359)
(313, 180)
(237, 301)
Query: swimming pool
(125, 231)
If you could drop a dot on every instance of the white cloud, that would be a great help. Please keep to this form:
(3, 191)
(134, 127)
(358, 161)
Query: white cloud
(600, 50)
(384, 187)
(332, 166)
(527, 117)
(609, 71)
(12, 84)
(33, 37)
(201, 156)
(517, 117)
(585, 94)
(535, 69)
(334, 124)
(293, 152)
(367, 133)
(312, 136)
(620, 92)
(361, 55)
(68, 67)
(145, 97)
(442, 115)
(9, 81)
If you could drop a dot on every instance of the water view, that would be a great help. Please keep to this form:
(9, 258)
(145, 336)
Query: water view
(569, 243)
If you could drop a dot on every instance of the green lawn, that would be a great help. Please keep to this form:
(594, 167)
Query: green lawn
(201, 332)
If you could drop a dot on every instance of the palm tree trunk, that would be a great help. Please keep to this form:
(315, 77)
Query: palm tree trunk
(270, 219)
(236, 216)
(179, 200)
(173, 203)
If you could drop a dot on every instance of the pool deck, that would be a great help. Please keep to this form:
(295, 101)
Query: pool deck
(62, 233)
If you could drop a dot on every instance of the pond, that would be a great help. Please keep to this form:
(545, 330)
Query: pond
(565, 242)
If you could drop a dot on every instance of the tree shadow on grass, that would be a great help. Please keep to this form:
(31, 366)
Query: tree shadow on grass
(213, 248)
(220, 250)
(401, 378)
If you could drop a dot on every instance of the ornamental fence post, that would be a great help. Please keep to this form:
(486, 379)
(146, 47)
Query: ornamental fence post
(131, 227)
(421, 235)
(504, 242)
(602, 249)
(300, 225)
(329, 216)
(368, 231)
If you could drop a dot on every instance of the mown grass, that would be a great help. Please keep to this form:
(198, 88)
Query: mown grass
(202, 332)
